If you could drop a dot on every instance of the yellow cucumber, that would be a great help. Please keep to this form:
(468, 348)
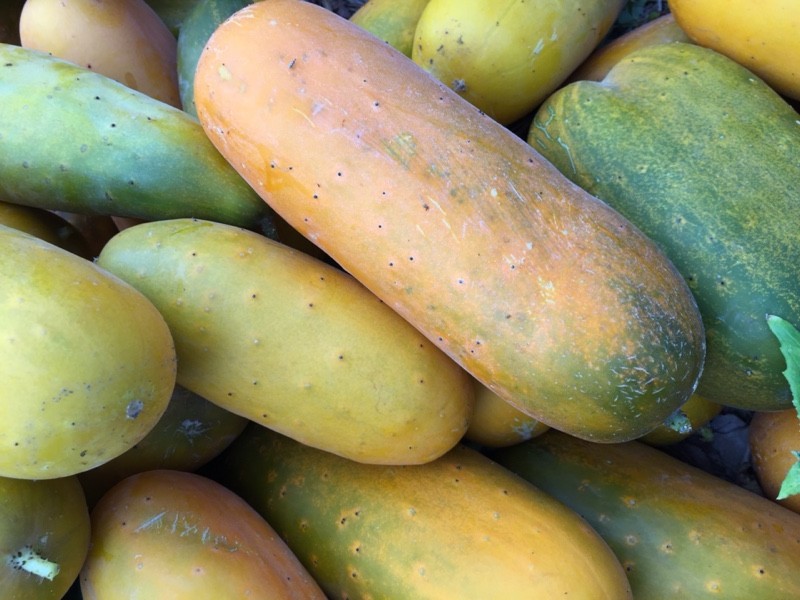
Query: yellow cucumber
(44, 537)
(87, 364)
(506, 56)
(459, 527)
(293, 343)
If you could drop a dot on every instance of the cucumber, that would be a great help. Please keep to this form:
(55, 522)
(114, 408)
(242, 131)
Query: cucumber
(44, 537)
(678, 531)
(542, 292)
(78, 141)
(200, 22)
(177, 535)
(458, 527)
(293, 343)
(87, 363)
(704, 158)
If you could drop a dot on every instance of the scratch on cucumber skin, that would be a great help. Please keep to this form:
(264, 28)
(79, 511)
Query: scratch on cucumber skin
(183, 527)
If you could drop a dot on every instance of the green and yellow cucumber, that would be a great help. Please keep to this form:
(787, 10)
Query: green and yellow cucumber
(458, 527)
(542, 292)
(704, 157)
(678, 531)
(80, 142)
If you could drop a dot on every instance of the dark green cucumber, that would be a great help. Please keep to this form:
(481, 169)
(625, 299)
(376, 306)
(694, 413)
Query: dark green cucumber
(459, 527)
(704, 158)
(77, 141)
(200, 22)
(678, 531)
(172, 12)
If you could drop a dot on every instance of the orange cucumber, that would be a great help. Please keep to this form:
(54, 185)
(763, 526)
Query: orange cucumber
(542, 292)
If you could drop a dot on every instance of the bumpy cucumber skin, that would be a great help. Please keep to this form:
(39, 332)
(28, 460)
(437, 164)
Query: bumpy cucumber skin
(678, 531)
(78, 141)
(293, 343)
(458, 527)
(717, 185)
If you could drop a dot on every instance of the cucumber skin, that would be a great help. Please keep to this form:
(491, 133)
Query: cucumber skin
(679, 531)
(459, 527)
(722, 186)
(196, 29)
(541, 291)
(80, 142)
(293, 343)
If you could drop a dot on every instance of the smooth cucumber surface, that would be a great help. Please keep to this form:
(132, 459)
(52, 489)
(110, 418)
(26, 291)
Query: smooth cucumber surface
(176, 535)
(541, 291)
(87, 363)
(293, 343)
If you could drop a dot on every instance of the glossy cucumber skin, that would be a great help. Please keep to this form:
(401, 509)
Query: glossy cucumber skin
(78, 141)
(539, 290)
(678, 531)
(716, 185)
(458, 527)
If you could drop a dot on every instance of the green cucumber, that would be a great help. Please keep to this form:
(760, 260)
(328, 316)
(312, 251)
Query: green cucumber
(200, 22)
(704, 157)
(458, 527)
(678, 531)
(77, 141)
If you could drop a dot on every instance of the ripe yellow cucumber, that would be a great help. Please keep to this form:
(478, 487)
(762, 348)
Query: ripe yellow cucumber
(293, 343)
(393, 21)
(761, 36)
(125, 40)
(496, 423)
(44, 537)
(177, 535)
(506, 56)
(541, 291)
(87, 363)
(678, 531)
(457, 527)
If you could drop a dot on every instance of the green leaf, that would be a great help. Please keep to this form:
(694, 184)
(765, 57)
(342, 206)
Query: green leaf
(791, 483)
(789, 339)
